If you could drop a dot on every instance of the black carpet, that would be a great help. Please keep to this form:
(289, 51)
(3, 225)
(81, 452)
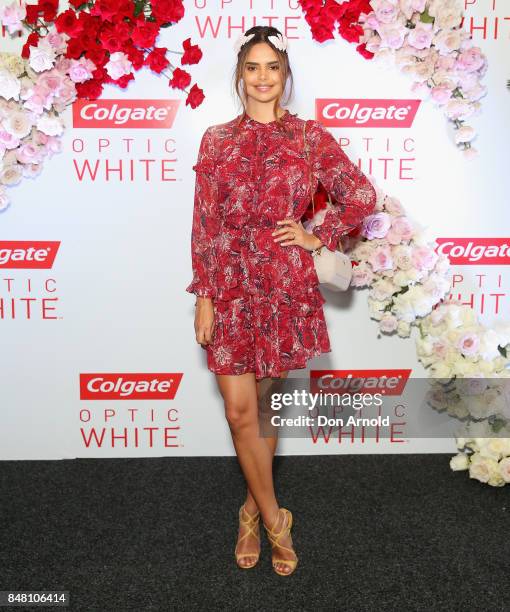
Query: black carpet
(372, 532)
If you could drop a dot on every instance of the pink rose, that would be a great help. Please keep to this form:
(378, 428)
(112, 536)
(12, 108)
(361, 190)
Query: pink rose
(119, 65)
(468, 343)
(386, 11)
(402, 227)
(28, 154)
(81, 70)
(441, 93)
(11, 16)
(421, 36)
(471, 60)
(424, 258)
(380, 259)
(388, 323)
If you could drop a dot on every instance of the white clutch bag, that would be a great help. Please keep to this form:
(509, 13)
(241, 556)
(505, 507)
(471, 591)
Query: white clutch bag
(333, 268)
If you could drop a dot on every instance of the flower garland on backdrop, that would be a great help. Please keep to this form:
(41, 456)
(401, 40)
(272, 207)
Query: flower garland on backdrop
(424, 39)
(73, 54)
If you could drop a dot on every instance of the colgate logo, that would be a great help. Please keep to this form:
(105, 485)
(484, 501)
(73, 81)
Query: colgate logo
(124, 113)
(475, 251)
(357, 112)
(159, 386)
(24, 254)
(386, 382)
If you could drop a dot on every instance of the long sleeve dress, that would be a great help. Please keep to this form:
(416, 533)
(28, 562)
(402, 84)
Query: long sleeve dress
(267, 303)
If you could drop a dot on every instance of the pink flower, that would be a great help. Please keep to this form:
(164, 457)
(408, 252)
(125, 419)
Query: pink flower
(57, 41)
(421, 36)
(381, 259)
(12, 15)
(441, 93)
(408, 7)
(386, 11)
(376, 226)
(424, 258)
(402, 227)
(392, 35)
(81, 70)
(51, 80)
(468, 343)
(9, 141)
(471, 60)
(119, 65)
(28, 154)
(388, 323)
(362, 276)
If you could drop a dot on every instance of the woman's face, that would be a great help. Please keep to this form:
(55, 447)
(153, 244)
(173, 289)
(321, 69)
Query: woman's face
(261, 74)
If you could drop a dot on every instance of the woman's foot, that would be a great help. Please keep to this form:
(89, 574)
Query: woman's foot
(247, 550)
(284, 557)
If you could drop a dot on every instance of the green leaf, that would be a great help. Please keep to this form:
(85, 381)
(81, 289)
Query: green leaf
(425, 17)
(503, 351)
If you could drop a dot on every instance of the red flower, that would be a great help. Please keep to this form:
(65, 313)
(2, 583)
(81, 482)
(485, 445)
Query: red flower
(74, 48)
(362, 49)
(90, 89)
(32, 13)
(136, 56)
(192, 53)
(100, 74)
(180, 79)
(144, 33)
(111, 9)
(32, 41)
(321, 33)
(49, 9)
(195, 96)
(167, 11)
(67, 23)
(76, 3)
(157, 60)
(97, 55)
(350, 32)
(123, 81)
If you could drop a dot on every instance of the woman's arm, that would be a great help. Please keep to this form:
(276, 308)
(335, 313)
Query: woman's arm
(353, 192)
(206, 221)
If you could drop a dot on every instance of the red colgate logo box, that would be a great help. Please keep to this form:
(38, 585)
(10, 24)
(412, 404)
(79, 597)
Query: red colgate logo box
(129, 386)
(28, 254)
(475, 251)
(137, 114)
(385, 382)
(370, 113)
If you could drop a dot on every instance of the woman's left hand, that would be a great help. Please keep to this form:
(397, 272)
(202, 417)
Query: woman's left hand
(294, 233)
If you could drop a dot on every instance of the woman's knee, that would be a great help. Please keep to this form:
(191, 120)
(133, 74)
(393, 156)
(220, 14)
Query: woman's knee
(239, 413)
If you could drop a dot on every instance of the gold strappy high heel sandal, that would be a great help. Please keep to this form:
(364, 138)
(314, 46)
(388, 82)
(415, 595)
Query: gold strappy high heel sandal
(274, 538)
(250, 525)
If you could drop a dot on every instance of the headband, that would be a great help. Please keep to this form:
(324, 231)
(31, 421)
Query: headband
(279, 41)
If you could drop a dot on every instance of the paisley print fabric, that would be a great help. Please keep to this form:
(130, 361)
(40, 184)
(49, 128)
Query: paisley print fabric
(267, 302)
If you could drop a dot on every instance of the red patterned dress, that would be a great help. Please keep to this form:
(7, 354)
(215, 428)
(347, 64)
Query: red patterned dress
(267, 303)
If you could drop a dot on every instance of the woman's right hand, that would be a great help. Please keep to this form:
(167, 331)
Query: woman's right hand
(204, 321)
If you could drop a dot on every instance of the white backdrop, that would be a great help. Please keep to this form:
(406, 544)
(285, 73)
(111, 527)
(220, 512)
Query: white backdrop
(113, 301)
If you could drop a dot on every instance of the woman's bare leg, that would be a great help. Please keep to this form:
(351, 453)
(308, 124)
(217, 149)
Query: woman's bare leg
(253, 452)
(271, 441)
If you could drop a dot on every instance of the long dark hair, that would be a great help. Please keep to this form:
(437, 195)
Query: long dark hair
(261, 35)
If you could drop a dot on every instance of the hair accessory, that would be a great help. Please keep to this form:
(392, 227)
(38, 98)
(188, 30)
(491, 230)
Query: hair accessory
(241, 41)
(280, 41)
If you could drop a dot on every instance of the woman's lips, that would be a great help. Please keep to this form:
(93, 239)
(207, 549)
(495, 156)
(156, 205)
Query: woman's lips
(264, 87)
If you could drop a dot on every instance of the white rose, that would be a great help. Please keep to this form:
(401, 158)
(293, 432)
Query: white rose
(11, 175)
(459, 462)
(10, 86)
(18, 124)
(504, 469)
(50, 125)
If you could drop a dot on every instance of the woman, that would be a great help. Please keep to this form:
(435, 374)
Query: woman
(259, 309)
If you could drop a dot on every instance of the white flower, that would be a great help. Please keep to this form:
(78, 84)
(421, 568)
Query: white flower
(18, 124)
(10, 86)
(41, 57)
(459, 462)
(11, 175)
(50, 125)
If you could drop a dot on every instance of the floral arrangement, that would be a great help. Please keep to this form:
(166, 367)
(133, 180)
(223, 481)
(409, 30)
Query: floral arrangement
(407, 284)
(487, 458)
(72, 55)
(424, 39)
